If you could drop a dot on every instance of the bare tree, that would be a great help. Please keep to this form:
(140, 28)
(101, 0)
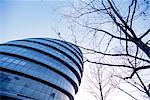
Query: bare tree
(118, 32)
(99, 82)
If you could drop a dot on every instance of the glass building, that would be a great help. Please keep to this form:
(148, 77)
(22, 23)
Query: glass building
(39, 69)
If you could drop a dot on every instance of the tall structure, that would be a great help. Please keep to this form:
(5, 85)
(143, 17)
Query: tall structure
(39, 69)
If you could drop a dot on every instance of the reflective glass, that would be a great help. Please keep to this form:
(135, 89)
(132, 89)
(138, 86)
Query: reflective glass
(59, 47)
(66, 45)
(32, 60)
(52, 79)
(48, 50)
(47, 60)
(43, 93)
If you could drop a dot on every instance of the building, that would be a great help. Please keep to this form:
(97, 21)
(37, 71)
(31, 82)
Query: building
(39, 69)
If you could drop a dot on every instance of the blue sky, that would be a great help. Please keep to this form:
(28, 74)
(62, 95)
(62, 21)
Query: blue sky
(37, 18)
(30, 18)
(33, 18)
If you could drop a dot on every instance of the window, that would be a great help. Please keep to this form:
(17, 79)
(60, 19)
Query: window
(10, 60)
(16, 61)
(22, 63)
(2, 76)
(4, 58)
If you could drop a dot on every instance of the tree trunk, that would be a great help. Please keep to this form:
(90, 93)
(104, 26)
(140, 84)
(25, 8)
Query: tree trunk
(143, 47)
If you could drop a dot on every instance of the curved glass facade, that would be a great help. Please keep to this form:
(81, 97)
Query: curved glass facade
(40, 69)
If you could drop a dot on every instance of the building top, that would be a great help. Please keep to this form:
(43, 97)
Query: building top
(61, 62)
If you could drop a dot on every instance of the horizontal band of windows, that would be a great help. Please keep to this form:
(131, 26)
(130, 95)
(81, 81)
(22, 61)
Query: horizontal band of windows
(67, 45)
(79, 57)
(73, 46)
(76, 48)
(61, 47)
(53, 55)
(39, 80)
(46, 74)
(25, 86)
(6, 60)
(77, 74)
(40, 58)
(44, 65)
(52, 79)
(57, 49)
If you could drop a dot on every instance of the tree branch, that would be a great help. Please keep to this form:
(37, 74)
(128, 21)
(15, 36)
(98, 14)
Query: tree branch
(121, 19)
(146, 33)
(114, 54)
